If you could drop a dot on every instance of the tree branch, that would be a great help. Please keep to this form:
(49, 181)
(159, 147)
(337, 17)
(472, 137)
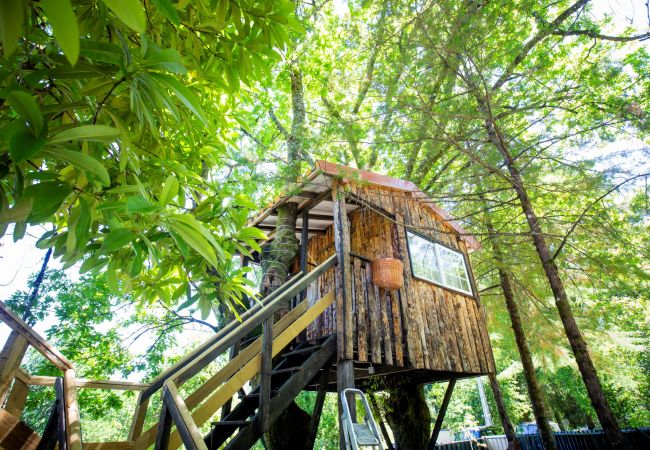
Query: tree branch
(593, 34)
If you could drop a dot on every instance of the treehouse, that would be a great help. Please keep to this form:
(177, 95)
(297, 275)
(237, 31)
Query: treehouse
(382, 295)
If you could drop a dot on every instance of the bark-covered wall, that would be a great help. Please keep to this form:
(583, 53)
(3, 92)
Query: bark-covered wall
(422, 325)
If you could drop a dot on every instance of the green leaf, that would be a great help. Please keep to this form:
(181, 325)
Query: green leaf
(169, 190)
(117, 239)
(26, 107)
(197, 226)
(24, 145)
(138, 204)
(252, 233)
(64, 25)
(19, 230)
(195, 240)
(168, 59)
(46, 198)
(220, 14)
(183, 93)
(205, 306)
(130, 12)
(168, 10)
(111, 278)
(82, 228)
(95, 133)
(11, 23)
(83, 162)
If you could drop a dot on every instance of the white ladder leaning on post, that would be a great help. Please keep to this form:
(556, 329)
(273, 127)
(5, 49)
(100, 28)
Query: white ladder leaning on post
(364, 434)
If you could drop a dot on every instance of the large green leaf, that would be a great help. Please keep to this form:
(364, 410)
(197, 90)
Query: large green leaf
(46, 198)
(117, 239)
(96, 133)
(183, 93)
(138, 204)
(168, 10)
(19, 212)
(24, 145)
(195, 240)
(131, 12)
(169, 190)
(64, 25)
(83, 162)
(26, 107)
(12, 16)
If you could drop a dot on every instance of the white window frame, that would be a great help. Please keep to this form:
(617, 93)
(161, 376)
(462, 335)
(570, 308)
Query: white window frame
(439, 262)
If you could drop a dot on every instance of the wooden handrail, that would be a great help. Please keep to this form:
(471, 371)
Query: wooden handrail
(117, 385)
(246, 368)
(34, 339)
(185, 426)
(159, 380)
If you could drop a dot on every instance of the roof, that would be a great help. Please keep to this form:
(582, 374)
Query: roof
(312, 193)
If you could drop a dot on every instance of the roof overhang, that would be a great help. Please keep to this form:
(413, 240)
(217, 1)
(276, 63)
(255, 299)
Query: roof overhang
(313, 194)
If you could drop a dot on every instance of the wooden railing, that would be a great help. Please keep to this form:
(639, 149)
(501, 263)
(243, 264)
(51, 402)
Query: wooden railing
(206, 400)
(254, 359)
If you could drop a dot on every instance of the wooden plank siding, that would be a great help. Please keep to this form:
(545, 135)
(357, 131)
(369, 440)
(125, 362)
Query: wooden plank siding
(422, 325)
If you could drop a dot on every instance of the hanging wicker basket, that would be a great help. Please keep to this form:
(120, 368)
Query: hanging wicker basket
(388, 273)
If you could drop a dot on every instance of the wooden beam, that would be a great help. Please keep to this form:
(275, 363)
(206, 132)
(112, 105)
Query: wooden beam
(116, 385)
(139, 416)
(17, 398)
(125, 445)
(61, 423)
(163, 431)
(301, 229)
(441, 414)
(11, 356)
(344, 364)
(73, 418)
(265, 375)
(33, 338)
(49, 437)
(314, 420)
(185, 426)
(15, 434)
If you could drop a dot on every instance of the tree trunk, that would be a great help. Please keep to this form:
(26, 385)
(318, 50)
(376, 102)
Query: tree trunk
(508, 429)
(407, 414)
(577, 342)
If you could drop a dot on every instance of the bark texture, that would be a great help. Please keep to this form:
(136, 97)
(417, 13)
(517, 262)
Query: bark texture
(408, 416)
(294, 432)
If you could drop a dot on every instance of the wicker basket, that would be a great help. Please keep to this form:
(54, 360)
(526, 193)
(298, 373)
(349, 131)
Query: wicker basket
(388, 273)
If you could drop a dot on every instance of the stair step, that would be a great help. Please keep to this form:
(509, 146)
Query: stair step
(230, 423)
(256, 395)
(301, 351)
(285, 370)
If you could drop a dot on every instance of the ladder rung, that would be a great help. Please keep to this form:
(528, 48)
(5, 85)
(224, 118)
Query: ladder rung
(300, 351)
(285, 370)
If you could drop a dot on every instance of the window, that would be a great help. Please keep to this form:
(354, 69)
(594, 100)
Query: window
(437, 263)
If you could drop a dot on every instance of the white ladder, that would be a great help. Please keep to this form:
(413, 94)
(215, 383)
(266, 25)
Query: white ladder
(364, 434)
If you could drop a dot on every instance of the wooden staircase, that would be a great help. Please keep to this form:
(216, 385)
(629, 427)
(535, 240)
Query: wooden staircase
(281, 368)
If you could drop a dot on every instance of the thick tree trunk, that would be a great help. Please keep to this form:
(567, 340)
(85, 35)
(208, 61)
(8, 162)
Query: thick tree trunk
(577, 342)
(508, 429)
(408, 415)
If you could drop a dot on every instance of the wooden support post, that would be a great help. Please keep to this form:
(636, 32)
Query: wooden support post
(318, 408)
(61, 419)
(73, 418)
(164, 428)
(49, 437)
(265, 376)
(17, 398)
(234, 351)
(345, 364)
(189, 432)
(441, 414)
(138, 417)
(304, 245)
(10, 358)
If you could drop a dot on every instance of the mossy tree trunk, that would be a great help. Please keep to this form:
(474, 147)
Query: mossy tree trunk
(408, 416)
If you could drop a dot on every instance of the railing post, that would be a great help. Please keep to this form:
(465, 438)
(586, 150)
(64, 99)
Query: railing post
(73, 418)
(265, 379)
(17, 398)
(441, 414)
(138, 417)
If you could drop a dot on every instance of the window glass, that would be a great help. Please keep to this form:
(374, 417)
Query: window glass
(437, 263)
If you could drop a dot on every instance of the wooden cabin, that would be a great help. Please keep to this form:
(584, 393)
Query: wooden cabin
(343, 331)
(434, 326)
